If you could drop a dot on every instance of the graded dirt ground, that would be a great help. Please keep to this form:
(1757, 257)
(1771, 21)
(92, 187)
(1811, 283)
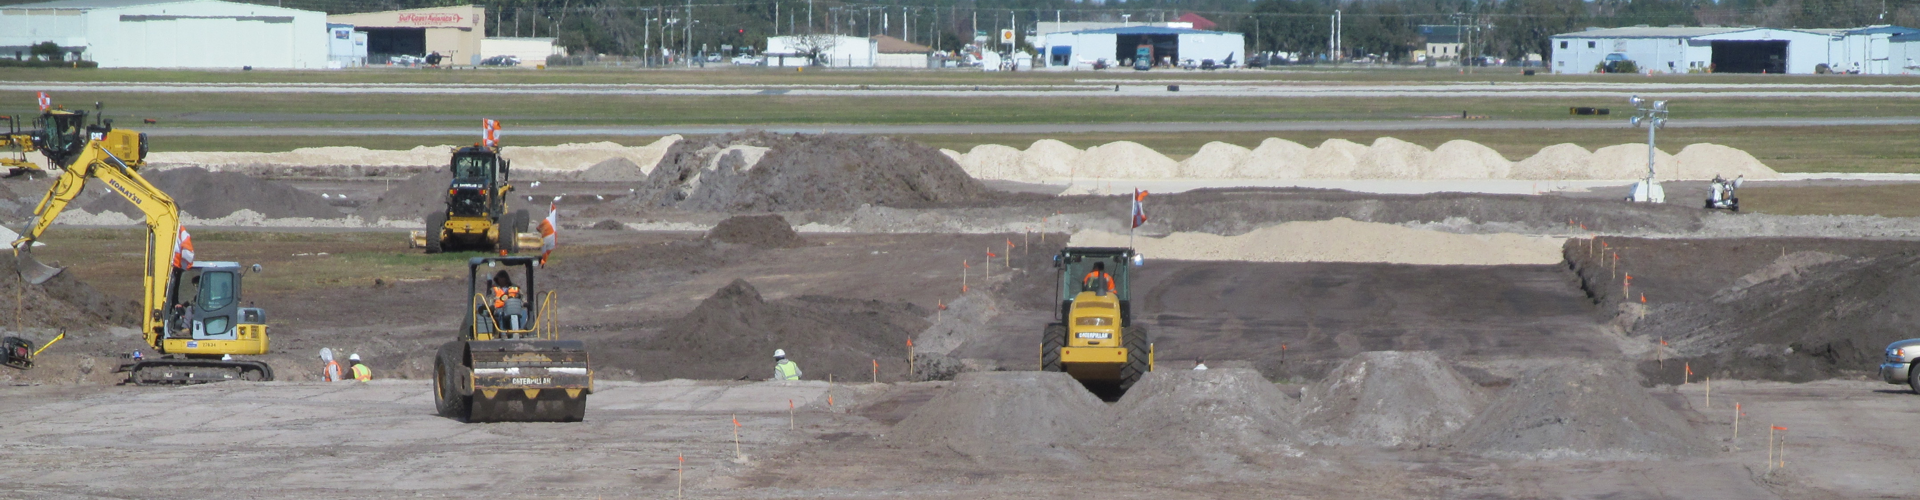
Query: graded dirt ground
(1526, 365)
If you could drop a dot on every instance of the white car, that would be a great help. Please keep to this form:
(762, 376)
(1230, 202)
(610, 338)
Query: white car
(746, 60)
(1898, 367)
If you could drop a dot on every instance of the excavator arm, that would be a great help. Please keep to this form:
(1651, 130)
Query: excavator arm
(162, 219)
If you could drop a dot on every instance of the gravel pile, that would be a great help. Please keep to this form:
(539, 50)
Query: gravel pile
(1006, 415)
(1579, 410)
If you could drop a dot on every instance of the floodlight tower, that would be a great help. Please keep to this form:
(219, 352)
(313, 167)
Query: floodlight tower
(1652, 114)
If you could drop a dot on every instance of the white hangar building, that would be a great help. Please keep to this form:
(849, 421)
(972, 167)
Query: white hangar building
(1876, 50)
(1073, 48)
(169, 33)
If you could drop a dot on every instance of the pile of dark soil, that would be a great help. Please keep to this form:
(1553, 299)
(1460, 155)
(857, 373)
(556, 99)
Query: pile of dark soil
(1210, 410)
(62, 303)
(409, 199)
(1791, 309)
(763, 231)
(1005, 415)
(219, 194)
(733, 334)
(1579, 410)
(805, 172)
(1820, 321)
(608, 225)
(1389, 398)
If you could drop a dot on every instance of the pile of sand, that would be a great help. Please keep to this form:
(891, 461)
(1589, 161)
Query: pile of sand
(763, 231)
(1006, 415)
(733, 333)
(1210, 410)
(762, 172)
(1582, 410)
(205, 194)
(1340, 240)
(562, 158)
(1338, 159)
(1389, 399)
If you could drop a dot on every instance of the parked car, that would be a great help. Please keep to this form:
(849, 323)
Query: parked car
(1898, 368)
(501, 61)
(746, 60)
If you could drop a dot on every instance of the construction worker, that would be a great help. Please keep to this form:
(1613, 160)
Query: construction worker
(1098, 279)
(503, 289)
(360, 371)
(783, 368)
(331, 373)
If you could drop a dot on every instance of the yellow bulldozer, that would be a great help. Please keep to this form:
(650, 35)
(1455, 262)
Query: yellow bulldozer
(509, 364)
(1093, 336)
(192, 310)
(475, 215)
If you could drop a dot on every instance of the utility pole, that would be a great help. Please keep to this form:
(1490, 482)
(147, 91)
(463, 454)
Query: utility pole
(809, 16)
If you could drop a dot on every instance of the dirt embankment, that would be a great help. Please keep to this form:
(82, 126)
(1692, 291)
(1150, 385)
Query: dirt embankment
(733, 334)
(760, 172)
(63, 302)
(207, 194)
(1792, 309)
(1004, 415)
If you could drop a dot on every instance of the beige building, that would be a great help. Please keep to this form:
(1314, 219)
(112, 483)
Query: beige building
(454, 32)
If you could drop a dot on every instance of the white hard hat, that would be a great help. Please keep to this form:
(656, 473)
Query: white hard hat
(226, 357)
(354, 357)
(779, 353)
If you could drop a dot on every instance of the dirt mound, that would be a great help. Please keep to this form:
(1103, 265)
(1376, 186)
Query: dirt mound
(734, 332)
(1209, 410)
(410, 199)
(1579, 410)
(764, 231)
(1389, 398)
(209, 195)
(608, 225)
(63, 303)
(1805, 317)
(762, 172)
(1001, 414)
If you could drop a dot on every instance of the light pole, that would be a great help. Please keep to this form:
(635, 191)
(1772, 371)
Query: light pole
(1653, 114)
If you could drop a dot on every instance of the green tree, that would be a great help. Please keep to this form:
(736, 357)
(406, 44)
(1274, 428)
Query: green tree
(1528, 26)
(47, 51)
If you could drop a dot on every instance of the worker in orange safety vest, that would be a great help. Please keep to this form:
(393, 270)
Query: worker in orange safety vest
(1097, 279)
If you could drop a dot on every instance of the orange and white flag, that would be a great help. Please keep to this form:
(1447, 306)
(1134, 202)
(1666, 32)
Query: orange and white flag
(183, 250)
(549, 237)
(490, 132)
(44, 102)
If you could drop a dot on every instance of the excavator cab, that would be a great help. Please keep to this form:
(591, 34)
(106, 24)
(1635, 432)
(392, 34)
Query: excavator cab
(508, 363)
(1093, 336)
(207, 317)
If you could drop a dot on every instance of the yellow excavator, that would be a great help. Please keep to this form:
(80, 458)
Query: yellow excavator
(191, 310)
(18, 142)
(508, 363)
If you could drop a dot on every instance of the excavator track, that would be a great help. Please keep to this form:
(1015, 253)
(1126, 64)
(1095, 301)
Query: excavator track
(194, 371)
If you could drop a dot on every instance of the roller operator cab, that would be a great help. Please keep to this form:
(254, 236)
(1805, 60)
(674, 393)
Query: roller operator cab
(1093, 336)
(475, 214)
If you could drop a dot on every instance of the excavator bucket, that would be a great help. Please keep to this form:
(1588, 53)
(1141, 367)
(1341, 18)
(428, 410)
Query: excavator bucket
(31, 269)
(529, 380)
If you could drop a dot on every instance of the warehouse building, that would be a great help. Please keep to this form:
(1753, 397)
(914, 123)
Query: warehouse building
(839, 51)
(1878, 50)
(169, 33)
(1080, 48)
(454, 32)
